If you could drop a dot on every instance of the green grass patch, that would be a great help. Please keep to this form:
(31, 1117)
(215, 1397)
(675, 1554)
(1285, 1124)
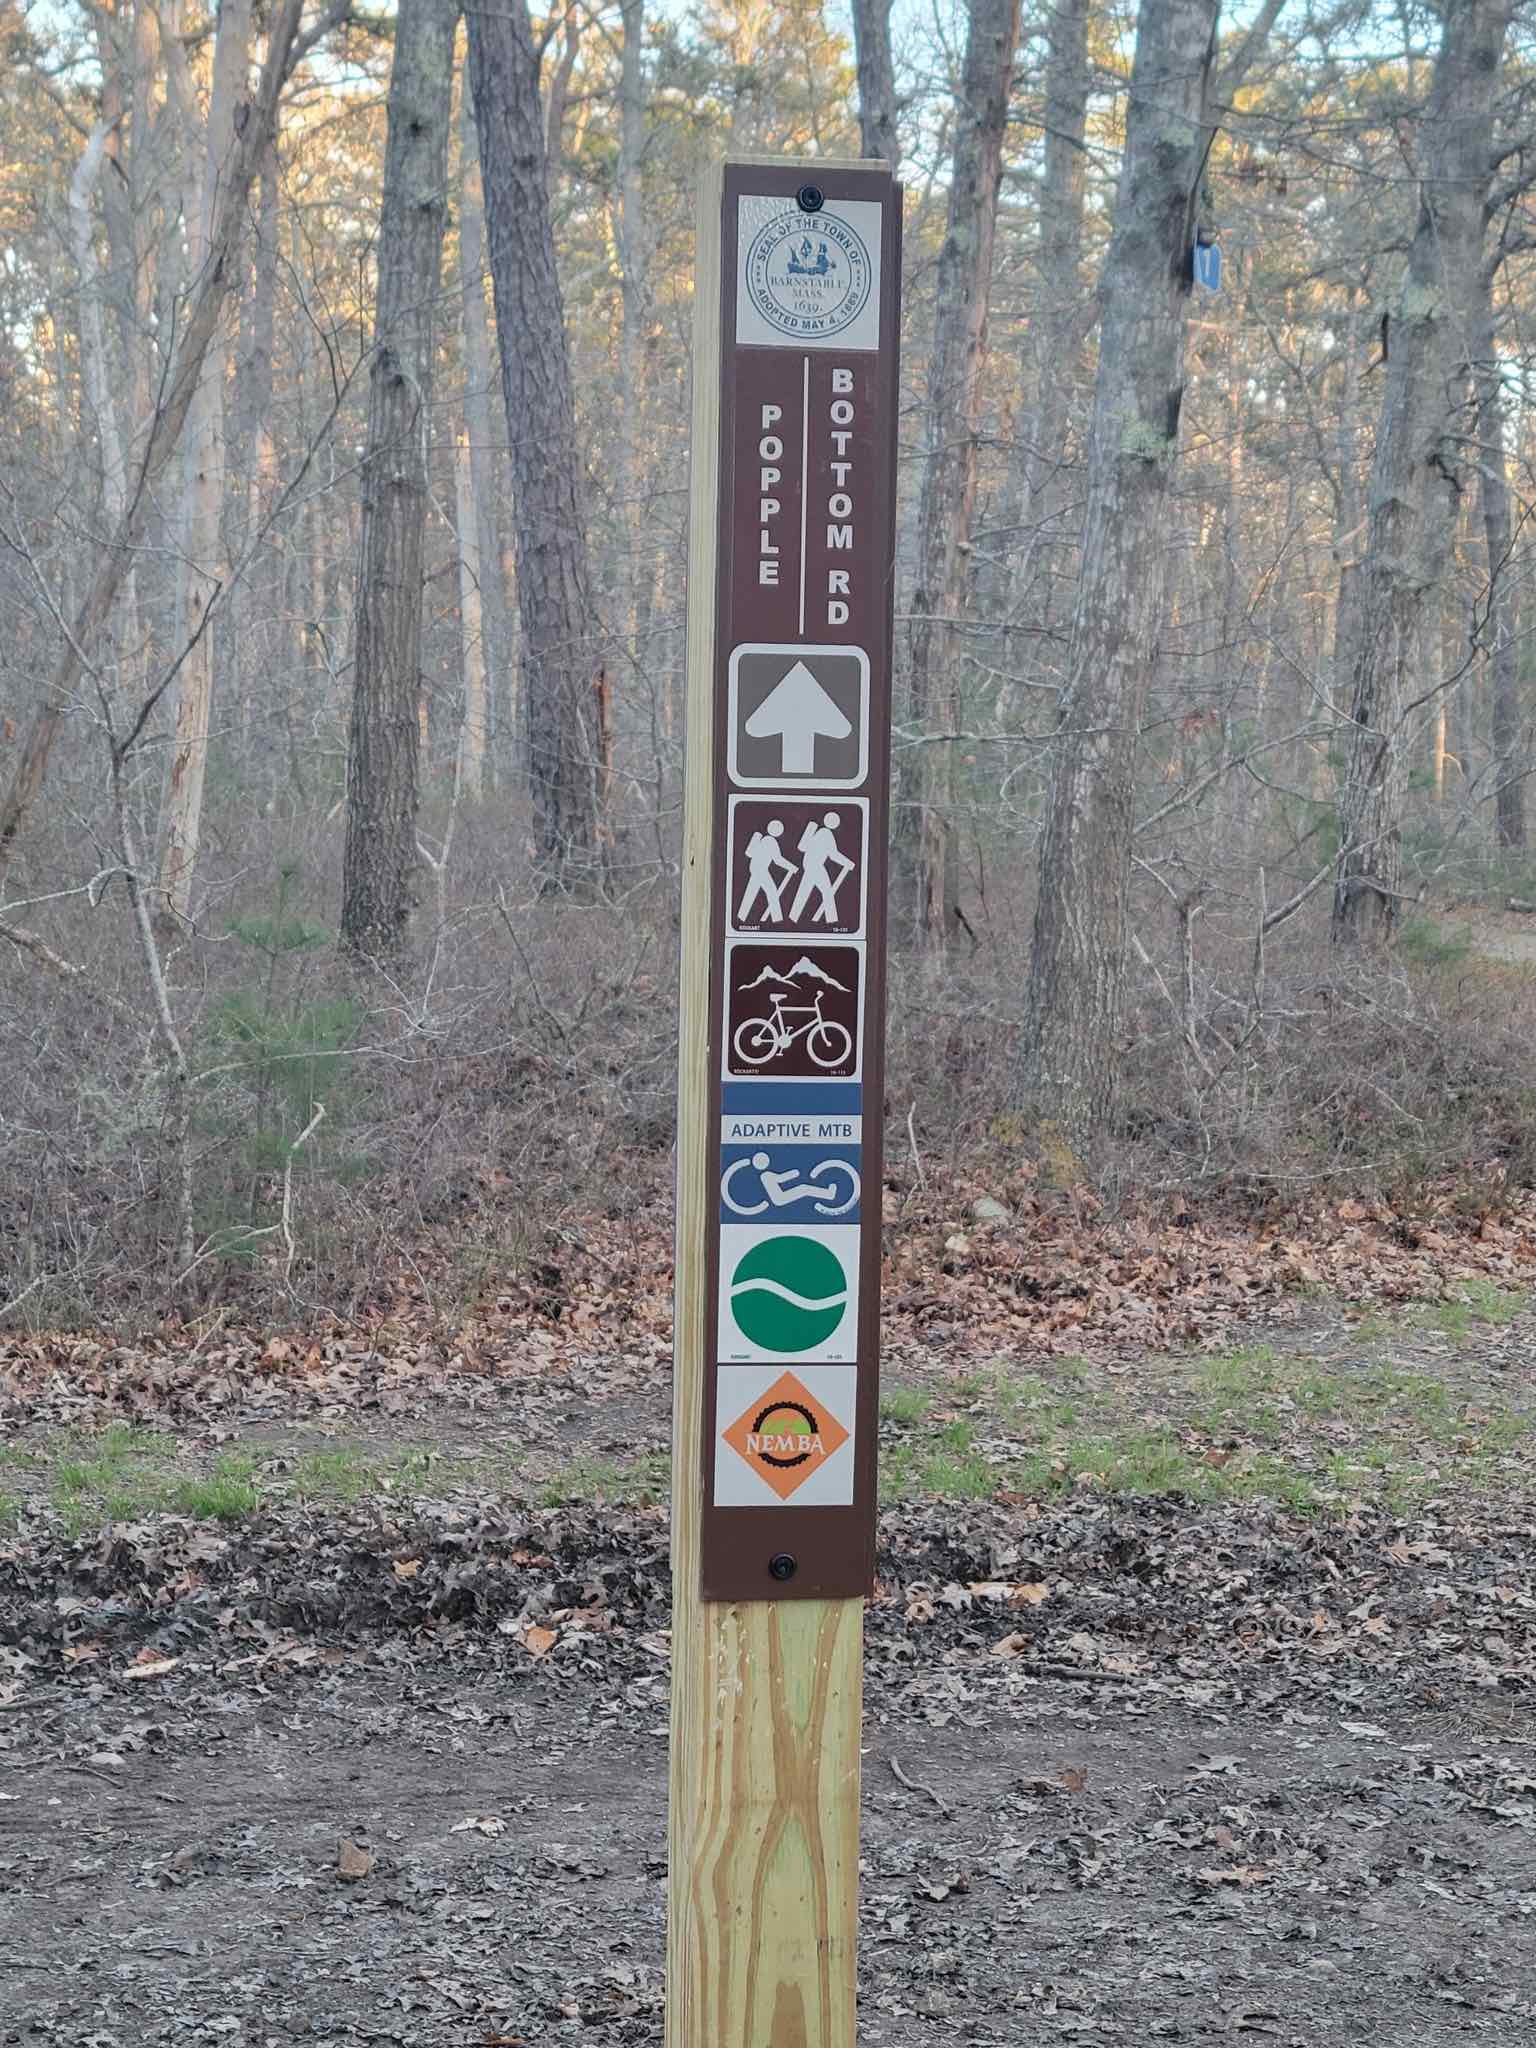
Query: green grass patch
(1250, 1423)
(343, 1473)
(228, 1493)
(1476, 1305)
(639, 1482)
(904, 1405)
(1428, 943)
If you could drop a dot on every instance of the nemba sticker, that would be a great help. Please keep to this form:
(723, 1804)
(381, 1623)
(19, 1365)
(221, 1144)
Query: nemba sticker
(809, 279)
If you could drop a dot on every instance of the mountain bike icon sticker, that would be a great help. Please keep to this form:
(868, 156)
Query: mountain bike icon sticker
(788, 1293)
(793, 1011)
(784, 1437)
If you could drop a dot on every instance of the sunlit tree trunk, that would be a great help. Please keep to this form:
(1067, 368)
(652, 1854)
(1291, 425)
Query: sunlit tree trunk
(634, 275)
(1067, 1050)
(202, 567)
(95, 363)
(384, 744)
(257, 631)
(554, 584)
(877, 81)
(1417, 472)
(928, 861)
(557, 95)
(1059, 324)
(485, 422)
(472, 726)
(1504, 659)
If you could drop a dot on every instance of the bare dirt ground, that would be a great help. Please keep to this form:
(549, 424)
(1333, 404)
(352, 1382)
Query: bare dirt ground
(1144, 1761)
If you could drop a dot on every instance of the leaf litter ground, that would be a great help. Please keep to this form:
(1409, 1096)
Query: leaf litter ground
(348, 1745)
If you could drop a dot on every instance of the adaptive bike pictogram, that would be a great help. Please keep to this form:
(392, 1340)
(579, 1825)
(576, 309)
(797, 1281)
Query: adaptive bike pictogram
(831, 1188)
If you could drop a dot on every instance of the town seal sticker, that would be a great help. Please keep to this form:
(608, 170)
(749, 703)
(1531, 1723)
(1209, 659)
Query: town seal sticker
(809, 279)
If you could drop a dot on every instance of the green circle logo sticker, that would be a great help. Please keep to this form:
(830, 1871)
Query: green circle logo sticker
(788, 1294)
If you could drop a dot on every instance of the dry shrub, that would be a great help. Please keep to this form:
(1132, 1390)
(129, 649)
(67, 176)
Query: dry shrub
(516, 1076)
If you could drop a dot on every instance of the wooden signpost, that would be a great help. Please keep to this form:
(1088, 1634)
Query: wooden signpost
(780, 1092)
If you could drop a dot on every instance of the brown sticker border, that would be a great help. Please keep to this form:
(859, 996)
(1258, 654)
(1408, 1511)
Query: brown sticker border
(833, 1547)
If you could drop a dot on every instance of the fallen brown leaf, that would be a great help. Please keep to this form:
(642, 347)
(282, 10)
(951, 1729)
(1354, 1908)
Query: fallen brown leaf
(147, 1666)
(352, 1860)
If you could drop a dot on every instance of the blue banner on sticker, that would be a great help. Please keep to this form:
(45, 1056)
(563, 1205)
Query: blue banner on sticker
(802, 1184)
(791, 1098)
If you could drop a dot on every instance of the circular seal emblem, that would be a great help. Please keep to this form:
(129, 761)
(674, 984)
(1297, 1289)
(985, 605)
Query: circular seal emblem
(808, 274)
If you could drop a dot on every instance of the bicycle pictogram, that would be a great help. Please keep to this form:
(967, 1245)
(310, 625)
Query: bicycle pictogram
(758, 1040)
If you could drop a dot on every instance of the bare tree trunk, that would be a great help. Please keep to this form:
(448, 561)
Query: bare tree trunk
(1062, 197)
(471, 764)
(483, 418)
(1493, 476)
(946, 513)
(259, 634)
(554, 584)
(201, 565)
(383, 748)
(877, 81)
(1416, 476)
(557, 99)
(1067, 1050)
(203, 315)
(634, 253)
(95, 370)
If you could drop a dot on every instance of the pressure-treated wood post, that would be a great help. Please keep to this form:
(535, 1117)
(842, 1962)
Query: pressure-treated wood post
(782, 1007)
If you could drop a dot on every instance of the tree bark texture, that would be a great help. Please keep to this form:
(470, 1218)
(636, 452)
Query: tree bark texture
(634, 274)
(560, 667)
(1062, 197)
(1504, 658)
(1067, 1049)
(484, 421)
(203, 315)
(1419, 469)
(201, 567)
(95, 364)
(383, 747)
(877, 81)
(947, 508)
(472, 727)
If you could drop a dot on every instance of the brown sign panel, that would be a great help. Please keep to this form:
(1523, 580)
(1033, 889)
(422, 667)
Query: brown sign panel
(802, 702)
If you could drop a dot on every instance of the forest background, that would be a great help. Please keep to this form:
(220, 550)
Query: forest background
(343, 488)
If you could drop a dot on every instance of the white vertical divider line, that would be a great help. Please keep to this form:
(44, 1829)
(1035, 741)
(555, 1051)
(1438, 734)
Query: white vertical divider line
(805, 474)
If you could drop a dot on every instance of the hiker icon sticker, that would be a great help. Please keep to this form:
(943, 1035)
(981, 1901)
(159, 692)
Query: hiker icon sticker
(784, 1436)
(788, 1293)
(796, 866)
(798, 715)
(793, 1012)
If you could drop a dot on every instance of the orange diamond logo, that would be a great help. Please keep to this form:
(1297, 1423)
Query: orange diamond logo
(786, 1435)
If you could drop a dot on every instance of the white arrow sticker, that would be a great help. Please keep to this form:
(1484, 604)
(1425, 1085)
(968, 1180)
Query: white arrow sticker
(799, 715)
(797, 711)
